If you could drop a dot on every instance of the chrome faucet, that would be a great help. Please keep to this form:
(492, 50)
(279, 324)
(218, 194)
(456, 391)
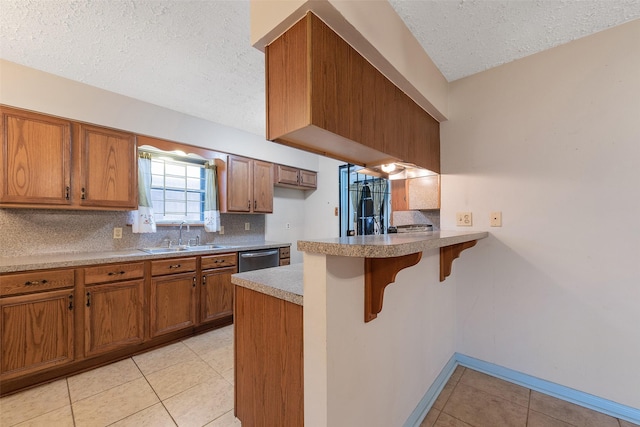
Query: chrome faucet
(180, 236)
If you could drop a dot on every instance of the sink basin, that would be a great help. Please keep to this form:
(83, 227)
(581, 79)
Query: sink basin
(181, 249)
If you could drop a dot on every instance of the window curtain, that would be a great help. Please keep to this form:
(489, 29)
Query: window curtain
(354, 196)
(143, 219)
(378, 191)
(211, 205)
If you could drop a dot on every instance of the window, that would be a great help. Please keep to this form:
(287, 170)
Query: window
(177, 189)
(365, 202)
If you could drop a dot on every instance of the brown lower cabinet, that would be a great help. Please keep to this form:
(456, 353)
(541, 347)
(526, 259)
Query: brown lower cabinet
(269, 371)
(37, 332)
(54, 323)
(172, 302)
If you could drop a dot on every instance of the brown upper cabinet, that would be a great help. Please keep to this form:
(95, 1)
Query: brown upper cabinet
(324, 97)
(49, 162)
(249, 185)
(286, 176)
(415, 193)
(35, 159)
(108, 168)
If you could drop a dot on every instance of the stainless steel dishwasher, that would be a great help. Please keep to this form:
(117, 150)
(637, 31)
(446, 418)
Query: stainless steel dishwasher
(256, 260)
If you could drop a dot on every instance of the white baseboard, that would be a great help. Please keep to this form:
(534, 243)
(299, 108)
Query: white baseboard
(587, 400)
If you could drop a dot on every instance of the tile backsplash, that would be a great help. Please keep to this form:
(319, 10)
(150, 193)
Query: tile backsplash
(45, 231)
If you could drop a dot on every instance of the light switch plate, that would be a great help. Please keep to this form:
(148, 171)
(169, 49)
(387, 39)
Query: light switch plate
(464, 219)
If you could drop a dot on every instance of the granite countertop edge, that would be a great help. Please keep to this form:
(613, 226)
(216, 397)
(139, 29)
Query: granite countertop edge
(283, 282)
(388, 245)
(61, 260)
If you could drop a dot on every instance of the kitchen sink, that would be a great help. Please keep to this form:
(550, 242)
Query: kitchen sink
(174, 249)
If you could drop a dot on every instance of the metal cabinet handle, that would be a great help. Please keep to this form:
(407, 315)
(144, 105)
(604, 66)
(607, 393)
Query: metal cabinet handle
(249, 204)
(83, 196)
(204, 280)
(88, 299)
(36, 282)
(71, 302)
(66, 192)
(255, 204)
(115, 273)
(175, 266)
(194, 281)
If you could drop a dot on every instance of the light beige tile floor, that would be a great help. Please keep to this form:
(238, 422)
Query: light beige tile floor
(189, 383)
(473, 399)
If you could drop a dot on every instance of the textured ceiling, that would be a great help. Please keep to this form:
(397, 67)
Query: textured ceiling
(195, 57)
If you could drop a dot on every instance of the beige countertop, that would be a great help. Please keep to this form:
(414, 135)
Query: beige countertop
(388, 245)
(60, 260)
(281, 282)
(286, 282)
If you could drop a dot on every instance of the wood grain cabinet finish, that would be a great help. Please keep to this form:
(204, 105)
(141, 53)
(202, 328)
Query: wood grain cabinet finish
(415, 193)
(49, 162)
(113, 307)
(269, 388)
(216, 296)
(287, 176)
(108, 168)
(172, 302)
(36, 332)
(249, 185)
(35, 159)
(36, 281)
(324, 97)
(285, 255)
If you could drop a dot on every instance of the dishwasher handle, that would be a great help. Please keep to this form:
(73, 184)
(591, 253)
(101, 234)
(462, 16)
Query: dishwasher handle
(259, 254)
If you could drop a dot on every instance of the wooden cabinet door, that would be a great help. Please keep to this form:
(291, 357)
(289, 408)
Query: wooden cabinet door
(308, 179)
(286, 175)
(239, 177)
(399, 200)
(216, 298)
(262, 187)
(113, 316)
(108, 168)
(172, 303)
(35, 159)
(36, 332)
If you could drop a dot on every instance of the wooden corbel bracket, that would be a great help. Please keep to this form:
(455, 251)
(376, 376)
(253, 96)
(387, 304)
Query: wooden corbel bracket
(378, 273)
(449, 253)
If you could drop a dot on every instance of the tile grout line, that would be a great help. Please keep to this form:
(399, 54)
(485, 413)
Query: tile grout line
(73, 416)
(154, 392)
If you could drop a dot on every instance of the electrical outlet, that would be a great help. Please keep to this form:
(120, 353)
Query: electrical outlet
(287, 226)
(247, 226)
(117, 233)
(495, 220)
(464, 219)
(222, 229)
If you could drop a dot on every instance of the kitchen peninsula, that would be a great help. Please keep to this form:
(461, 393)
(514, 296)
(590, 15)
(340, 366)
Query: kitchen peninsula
(355, 372)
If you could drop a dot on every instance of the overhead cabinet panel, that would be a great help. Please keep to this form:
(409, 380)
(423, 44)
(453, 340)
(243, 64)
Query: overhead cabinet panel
(324, 97)
(35, 158)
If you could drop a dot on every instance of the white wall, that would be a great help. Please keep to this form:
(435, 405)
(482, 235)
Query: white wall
(372, 374)
(552, 141)
(309, 213)
(35, 90)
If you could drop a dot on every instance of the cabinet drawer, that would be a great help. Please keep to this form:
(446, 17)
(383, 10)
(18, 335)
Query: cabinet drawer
(285, 261)
(219, 261)
(285, 252)
(174, 265)
(112, 272)
(35, 281)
